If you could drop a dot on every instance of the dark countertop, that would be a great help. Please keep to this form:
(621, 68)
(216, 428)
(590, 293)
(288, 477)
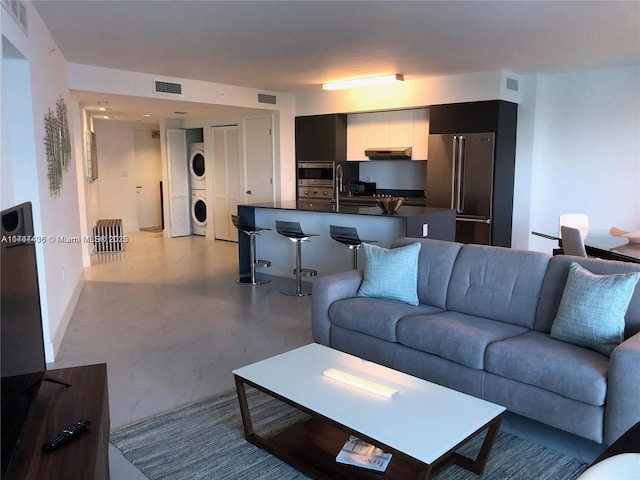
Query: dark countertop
(371, 200)
(404, 211)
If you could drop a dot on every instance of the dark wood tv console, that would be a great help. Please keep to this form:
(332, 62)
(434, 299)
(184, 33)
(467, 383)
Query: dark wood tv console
(56, 407)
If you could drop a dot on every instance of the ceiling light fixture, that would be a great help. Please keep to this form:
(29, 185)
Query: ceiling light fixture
(363, 82)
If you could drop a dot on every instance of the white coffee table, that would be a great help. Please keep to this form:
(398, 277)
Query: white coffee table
(423, 425)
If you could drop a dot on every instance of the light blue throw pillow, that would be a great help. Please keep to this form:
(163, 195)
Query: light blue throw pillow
(391, 274)
(592, 309)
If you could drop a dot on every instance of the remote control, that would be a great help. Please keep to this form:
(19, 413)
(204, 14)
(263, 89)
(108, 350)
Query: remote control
(72, 431)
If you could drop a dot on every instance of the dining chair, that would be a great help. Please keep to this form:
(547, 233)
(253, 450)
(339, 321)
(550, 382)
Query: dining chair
(572, 241)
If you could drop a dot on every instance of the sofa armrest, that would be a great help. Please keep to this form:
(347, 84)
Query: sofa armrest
(623, 394)
(325, 291)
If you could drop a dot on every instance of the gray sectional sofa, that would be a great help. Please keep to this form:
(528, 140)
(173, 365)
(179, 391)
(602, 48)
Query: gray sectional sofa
(483, 327)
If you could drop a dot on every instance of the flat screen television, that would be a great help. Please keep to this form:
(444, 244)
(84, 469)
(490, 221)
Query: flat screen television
(22, 359)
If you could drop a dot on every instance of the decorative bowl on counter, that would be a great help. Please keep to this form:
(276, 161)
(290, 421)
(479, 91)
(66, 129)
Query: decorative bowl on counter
(389, 204)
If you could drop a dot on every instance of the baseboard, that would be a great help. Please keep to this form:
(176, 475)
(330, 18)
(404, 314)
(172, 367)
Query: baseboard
(51, 348)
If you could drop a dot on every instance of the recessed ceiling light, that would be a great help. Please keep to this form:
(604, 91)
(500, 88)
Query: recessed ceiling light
(146, 115)
(103, 109)
(106, 117)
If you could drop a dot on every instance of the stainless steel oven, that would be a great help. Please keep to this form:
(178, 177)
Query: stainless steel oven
(316, 182)
(316, 174)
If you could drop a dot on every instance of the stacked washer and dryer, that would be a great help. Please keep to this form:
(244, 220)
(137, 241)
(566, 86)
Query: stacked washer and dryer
(198, 189)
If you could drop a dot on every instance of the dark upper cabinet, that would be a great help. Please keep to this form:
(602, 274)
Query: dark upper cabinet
(321, 138)
(469, 117)
(497, 116)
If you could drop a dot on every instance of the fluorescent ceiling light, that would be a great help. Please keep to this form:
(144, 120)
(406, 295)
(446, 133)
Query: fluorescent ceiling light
(360, 383)
(363, 82)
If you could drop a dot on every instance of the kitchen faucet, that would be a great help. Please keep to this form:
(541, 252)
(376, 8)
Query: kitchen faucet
(338, 181)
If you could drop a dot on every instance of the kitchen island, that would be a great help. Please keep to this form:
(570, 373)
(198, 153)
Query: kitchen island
(324, 254)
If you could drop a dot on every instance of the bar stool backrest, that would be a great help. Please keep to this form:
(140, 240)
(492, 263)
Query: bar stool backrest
(241, 224)
(346, 235)
(290, 229)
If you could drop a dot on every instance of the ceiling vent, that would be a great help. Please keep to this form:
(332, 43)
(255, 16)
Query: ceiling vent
(264, 98)
(512, 84)
(18, 11)
(167, 88)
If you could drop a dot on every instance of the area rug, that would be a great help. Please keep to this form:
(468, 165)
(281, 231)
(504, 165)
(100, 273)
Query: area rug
(205, 441)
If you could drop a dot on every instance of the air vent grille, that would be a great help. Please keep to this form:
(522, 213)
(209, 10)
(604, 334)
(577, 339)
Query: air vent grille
(512, 84)
(264, 98)
(168, 87)
(18, 11)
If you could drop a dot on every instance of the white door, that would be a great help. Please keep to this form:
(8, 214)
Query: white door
(258, 148)
(148, 177)
(227, 180)
(179, 220)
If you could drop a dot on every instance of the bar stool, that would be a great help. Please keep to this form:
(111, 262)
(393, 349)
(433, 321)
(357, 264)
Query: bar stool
(349, 236)
(293, 232)
(244, 227)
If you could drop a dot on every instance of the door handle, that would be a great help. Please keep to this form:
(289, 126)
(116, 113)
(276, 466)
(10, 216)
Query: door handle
(474, 220)
(454, 164)
(248, 192)
(460, 172)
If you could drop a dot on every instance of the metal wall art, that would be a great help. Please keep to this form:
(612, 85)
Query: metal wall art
(57, 142)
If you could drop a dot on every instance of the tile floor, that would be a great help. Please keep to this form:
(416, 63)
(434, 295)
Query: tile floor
(171, 323)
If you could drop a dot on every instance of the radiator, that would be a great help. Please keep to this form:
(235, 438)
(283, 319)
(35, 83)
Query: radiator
(108, 236)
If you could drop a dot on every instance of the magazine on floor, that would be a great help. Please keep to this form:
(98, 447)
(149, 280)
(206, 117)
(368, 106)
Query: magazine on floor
(363, 454)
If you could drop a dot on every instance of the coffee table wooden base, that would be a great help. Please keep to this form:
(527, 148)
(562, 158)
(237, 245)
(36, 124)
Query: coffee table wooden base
(311, 446)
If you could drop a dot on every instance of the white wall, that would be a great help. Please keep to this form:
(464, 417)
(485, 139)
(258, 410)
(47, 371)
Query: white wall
(107, 80)
(117, 172)
(59, 263)
(411, 93)
(88, 190)
(586, 150)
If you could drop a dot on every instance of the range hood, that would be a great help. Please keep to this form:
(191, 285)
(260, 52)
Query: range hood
(391, 153)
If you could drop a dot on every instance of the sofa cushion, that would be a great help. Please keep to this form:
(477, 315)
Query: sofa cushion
(497, 283)
(374, 316)
(455, 336)
(537, 359)
(435, 264)
(391, 273)
(556, 278)
(592, 309)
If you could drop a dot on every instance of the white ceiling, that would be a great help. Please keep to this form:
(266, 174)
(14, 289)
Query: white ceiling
(294, 46)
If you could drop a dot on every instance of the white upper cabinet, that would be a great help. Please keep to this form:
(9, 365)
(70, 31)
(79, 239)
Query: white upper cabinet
(420, 134)
(395, 128)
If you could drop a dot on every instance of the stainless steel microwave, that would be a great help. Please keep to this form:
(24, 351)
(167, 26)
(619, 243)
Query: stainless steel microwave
(316, 174)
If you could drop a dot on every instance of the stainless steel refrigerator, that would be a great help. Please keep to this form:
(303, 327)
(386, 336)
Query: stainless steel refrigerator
(460, 176)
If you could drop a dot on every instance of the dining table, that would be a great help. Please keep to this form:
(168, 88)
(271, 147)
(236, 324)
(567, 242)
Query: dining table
(602, 244)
